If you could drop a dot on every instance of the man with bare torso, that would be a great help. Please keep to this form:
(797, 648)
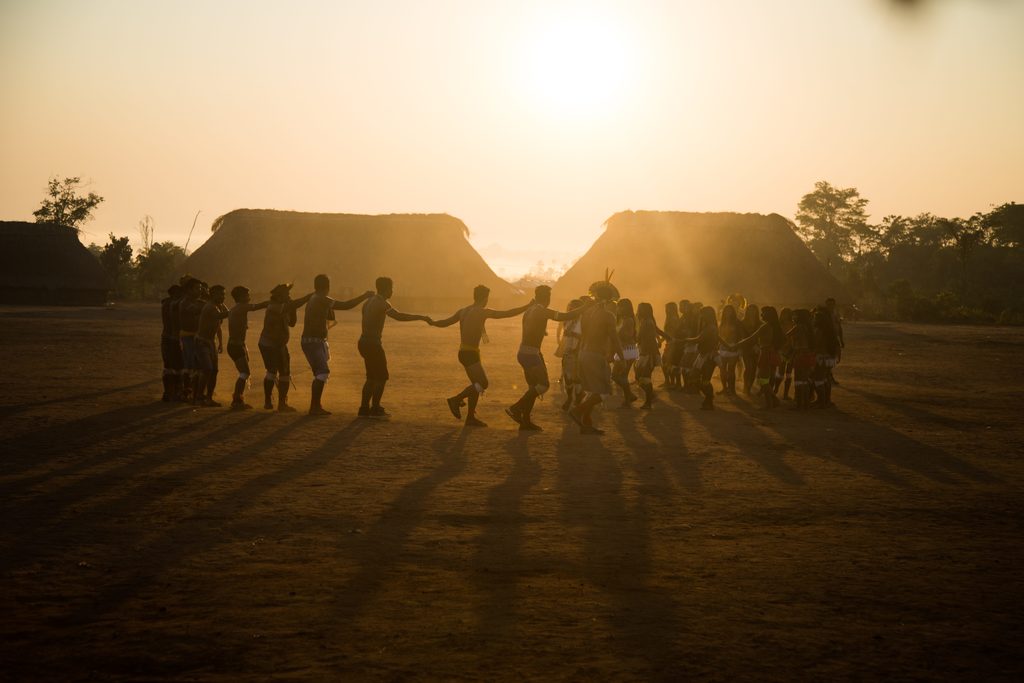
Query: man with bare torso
(209, 343)
(535, 324)
(599, 342)
(375, 311)
(238, 324)
(319, 311)
(471, 321)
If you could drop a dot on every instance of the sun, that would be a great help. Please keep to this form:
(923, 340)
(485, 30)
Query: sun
(577, 64)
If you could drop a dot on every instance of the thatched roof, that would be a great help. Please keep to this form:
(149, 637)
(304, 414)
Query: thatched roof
(43, 256)
(661, 256)
(427, 255)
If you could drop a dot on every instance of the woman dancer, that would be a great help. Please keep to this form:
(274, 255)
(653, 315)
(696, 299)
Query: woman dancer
(625, 325)
(751, 322)
(668, 367)
(729, 331)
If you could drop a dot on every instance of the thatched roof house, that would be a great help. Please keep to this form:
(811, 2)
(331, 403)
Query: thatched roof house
(662, 256)
(428, 256)
(47, 264)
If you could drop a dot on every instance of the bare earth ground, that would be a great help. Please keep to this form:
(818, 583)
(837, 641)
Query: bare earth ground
(145, 541)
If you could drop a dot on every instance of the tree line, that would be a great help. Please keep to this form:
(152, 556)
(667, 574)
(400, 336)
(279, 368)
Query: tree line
(923, 268)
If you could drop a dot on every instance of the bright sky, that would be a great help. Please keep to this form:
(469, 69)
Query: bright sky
(531, 121)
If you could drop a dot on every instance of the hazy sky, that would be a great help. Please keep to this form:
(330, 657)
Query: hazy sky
(533, 122)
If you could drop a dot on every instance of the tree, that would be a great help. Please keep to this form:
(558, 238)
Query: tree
(157, 265)
(116, 259)
(1007, 224)
(964, 236)
(833, 222)
(65, 206)
(146, 231)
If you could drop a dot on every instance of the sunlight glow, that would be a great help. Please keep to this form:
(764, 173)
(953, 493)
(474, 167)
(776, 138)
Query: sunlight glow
(577, 64)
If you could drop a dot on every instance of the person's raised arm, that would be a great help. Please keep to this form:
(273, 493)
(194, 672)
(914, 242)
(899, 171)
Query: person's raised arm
(352, 303)
(395, 314)
(748, 341)
(300, 302)
(510, 313)
(447, 322)
(571, 315)
(256, 307)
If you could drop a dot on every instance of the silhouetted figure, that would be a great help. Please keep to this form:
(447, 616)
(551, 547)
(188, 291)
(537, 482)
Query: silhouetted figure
(319, 311)
(599, 342)
(648, 350)
(767, 338)
(826, 348)
(729, 333)
(189, 309)
(707, 342)
(673, 349)
(375, 311)
(273, 346)
(238, 323)
(209, 344)
(837, 325)
(784, 376)
(170, 344)
(535, 370)
(471, 321)
(625, 326)
(749, 353)
(568, 351)
(801, 341)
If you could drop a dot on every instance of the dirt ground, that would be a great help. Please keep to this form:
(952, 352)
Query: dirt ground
(147, 541)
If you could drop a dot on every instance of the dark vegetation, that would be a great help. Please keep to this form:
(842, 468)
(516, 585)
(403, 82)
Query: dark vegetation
(924, 268)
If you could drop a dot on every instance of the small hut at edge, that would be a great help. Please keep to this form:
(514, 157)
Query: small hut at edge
(428, 256)
(662, 256)
(43, 264)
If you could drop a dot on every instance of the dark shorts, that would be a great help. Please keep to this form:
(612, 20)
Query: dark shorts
(318, 354)
(206, 355)
(170, 350)
(188, 352)
(374, 358)
(277, 359)
(474, 368)
(535, 370)
(240, 355)
(595, 374)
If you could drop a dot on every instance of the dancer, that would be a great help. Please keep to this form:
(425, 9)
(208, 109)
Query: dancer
(599, 342)
(729, 332)
(189, 309)
(785, 371)
(826, 347)
(568, 351)
(273, 346)
(801, 339)
(375, 311)
(750, 324)
(625, 325)
(209, 343)
(471, 321)
(170, 344)
(648, 342)
(668, 366)
(837, 324)
(319, 311)
(238, 323)
(767, 338)
(707, 342)
(689, 322)
(535, 370)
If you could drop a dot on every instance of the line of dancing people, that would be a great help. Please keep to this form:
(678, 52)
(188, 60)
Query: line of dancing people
(601, 339)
